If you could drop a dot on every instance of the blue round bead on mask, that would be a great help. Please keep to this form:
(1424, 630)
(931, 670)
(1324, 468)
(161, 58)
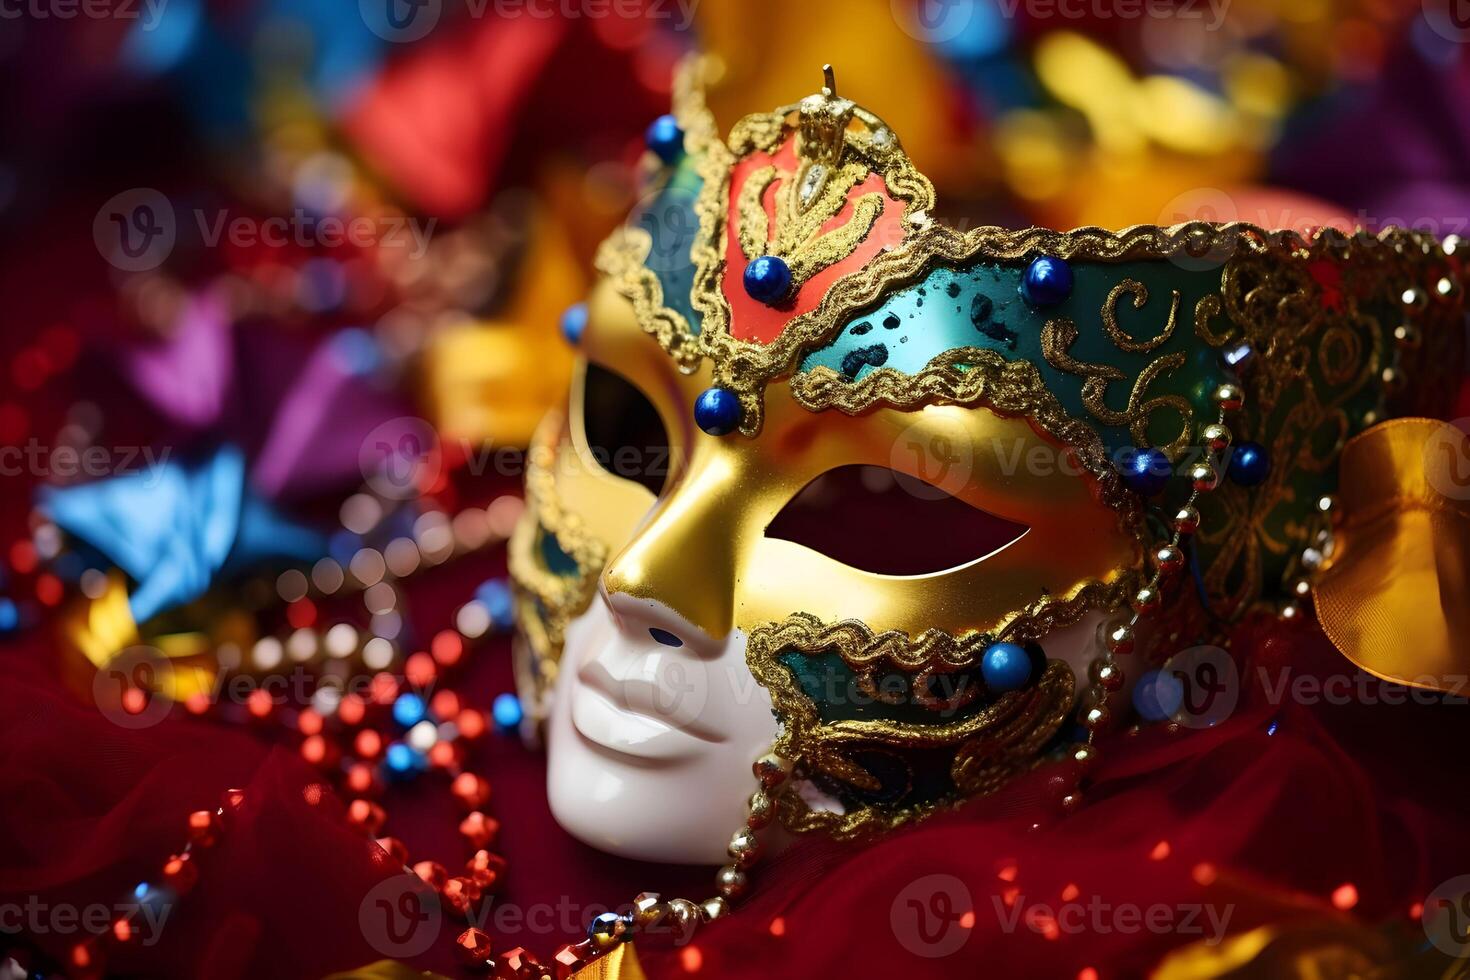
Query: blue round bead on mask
(717, 411)
(767, 279)
(665, 138)
(574, 323)
(1146, 471)
(1047, 281)
(1005, 667)
(1250, 464)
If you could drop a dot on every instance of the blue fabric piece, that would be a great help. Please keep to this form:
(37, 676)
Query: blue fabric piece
(175, 529)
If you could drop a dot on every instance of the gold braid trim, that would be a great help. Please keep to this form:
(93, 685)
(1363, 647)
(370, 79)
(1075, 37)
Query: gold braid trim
(622, 258)
(745, 367)
(968, 376)
(560, 598)
(994, 744)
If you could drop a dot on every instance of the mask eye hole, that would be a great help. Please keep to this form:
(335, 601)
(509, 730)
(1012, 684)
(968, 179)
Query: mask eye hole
(877, 520)
(625, 436)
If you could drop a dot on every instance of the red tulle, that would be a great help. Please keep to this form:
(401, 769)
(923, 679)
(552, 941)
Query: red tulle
(1196, 831)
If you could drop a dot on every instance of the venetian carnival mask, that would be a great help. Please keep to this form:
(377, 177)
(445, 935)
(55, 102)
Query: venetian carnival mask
(889, 508)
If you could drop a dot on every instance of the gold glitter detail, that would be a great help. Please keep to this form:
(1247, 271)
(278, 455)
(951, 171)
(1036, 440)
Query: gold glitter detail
(796, 233)
(993, 744)
(1057, 338)
(559, 598)
(1121, 337)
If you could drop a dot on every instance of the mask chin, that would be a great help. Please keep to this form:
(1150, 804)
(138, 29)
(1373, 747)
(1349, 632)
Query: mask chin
(654, 725)
(651, 735)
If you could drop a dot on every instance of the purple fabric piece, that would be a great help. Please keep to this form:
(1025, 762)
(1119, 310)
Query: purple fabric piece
(316, 437)
(1397, 151)
(293, 402)
(190, 376)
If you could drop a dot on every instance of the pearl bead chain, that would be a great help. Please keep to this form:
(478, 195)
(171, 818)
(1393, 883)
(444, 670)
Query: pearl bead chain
(1105, 673)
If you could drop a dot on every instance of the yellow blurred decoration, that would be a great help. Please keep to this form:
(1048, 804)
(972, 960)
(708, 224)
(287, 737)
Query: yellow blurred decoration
(94, 632)
(1125, 148)
(1394, 596)
(491, 381)
(1312, 950)
(771, 48)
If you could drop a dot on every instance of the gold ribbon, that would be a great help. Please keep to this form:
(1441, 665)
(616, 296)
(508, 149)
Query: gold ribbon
(620, 964)
(1394, 597)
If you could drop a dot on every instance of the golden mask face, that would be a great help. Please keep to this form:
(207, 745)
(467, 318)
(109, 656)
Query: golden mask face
(702, 548)
(818, 322)
(596, 541)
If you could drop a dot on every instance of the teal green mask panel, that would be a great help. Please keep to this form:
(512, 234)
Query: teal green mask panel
(981, 306)
(673, 226)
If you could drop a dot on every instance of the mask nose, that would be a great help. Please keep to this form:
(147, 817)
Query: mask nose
(652, 625)
(654, 662)
(687, 557)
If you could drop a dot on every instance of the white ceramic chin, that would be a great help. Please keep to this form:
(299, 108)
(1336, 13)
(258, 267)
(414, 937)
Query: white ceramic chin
(649, 746)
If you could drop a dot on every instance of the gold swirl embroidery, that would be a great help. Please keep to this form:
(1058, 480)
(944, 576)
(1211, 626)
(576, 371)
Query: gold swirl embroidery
(798, 221)
(1121, 337)
(991, 745)
(1057, 338)
(1204, 311)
